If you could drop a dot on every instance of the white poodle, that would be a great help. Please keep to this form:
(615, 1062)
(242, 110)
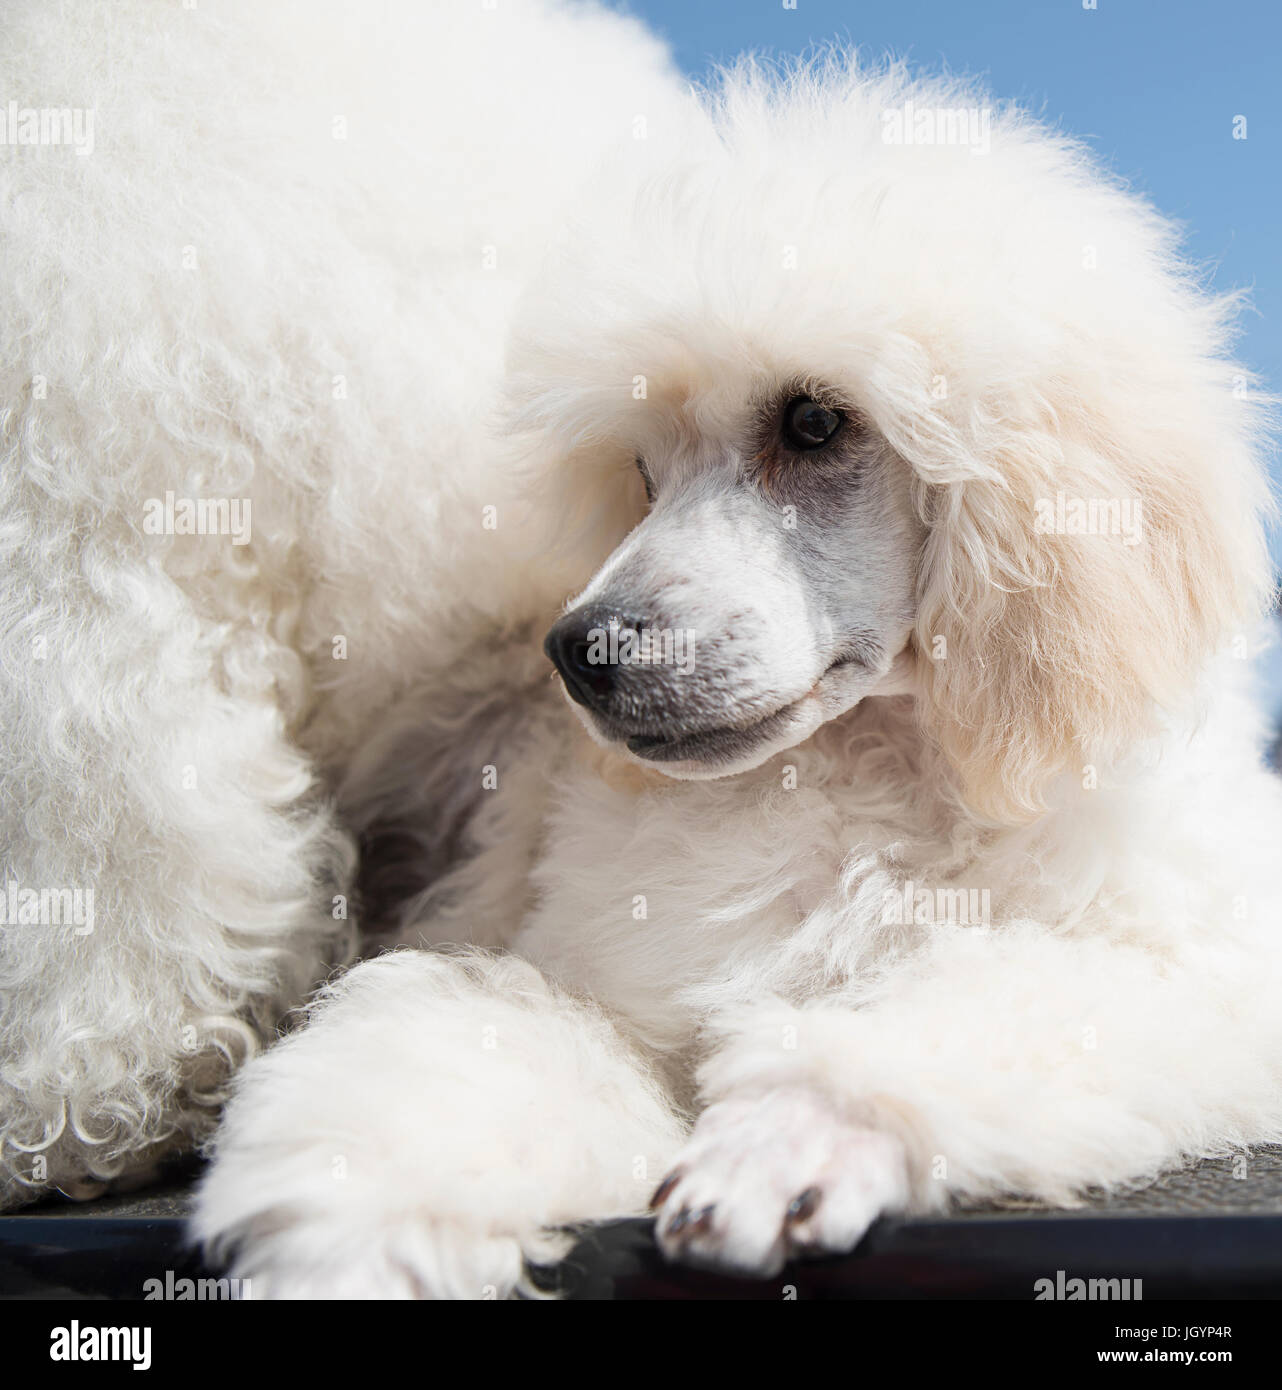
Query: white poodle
(906, 840)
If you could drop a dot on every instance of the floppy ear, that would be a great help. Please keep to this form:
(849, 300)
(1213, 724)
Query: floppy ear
(1060, 648)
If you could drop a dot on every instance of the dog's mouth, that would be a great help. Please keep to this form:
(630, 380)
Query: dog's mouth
(732, 743)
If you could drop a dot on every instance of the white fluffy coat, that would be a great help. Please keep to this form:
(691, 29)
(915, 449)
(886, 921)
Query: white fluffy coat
(384, 272)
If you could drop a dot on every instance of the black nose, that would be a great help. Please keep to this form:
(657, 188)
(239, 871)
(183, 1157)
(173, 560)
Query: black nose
(583, 648)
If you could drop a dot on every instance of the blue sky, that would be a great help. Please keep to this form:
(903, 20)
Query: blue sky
(1152, 85)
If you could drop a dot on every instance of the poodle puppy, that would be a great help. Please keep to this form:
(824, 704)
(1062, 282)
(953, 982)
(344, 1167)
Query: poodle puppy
(906, 829)
(890, 828)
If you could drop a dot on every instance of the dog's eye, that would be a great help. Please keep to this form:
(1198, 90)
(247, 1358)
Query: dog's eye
(809, 425)
(645, 478)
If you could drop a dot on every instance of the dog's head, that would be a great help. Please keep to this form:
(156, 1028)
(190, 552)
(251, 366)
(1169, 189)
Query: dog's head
(886, 391)
(770, 586)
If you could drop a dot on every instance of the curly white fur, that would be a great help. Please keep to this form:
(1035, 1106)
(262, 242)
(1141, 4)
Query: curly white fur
(430, 350)
(263, 283)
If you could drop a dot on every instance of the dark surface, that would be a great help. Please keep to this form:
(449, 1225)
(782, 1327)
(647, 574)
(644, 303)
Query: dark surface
(1214, 1231)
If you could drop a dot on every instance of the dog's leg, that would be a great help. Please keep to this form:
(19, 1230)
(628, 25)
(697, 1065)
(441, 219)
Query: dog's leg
(998, 1062)
(428, 1132)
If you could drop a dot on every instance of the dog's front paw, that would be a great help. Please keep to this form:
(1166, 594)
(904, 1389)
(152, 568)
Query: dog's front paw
(766, 1180)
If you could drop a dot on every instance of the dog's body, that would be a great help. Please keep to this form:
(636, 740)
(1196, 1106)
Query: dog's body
(941, 868)
(261, 282)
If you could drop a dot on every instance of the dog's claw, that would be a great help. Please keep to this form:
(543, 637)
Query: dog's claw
(664, 1189)
(702, 1219)
(687, 1223)
(803, 1206)
(774, 1178)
